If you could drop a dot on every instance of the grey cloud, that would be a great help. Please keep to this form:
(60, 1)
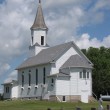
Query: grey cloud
(64, 18)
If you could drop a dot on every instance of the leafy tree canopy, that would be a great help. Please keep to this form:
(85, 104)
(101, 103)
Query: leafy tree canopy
(100, 57)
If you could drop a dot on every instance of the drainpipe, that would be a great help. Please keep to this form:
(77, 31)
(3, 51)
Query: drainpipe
(70, 83)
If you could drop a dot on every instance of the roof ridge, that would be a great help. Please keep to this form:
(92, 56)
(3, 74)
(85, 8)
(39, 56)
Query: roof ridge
(82, 53)
(62, 50)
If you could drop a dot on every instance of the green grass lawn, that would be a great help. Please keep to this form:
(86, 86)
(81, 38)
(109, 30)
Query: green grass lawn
(43, 105)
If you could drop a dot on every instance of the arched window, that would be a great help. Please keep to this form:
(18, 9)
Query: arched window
(22, 80)
(44, 75)
(36, 76)
(29, 79)
(42, 40)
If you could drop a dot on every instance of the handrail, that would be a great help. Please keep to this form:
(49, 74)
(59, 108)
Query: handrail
(94, 95)
(58, 98)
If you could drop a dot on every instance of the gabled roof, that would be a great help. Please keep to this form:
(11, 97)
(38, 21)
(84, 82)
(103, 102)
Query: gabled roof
(39, 22)
(50, 55)
(45, 56)
(76, 61)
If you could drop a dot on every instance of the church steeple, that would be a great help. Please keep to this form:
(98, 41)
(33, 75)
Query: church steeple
(39, 22)
(38, 32)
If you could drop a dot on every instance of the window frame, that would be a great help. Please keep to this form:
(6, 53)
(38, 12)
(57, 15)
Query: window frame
(7, 89)
(29, 79)
(36, 76)
(84, 74)
(88, 75)
(42, 40)
(44, 75)
(81, 75)
(52, 81)
(64, 98)
(22, 80)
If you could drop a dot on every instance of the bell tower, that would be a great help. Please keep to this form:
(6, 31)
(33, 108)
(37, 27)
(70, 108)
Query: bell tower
(38, 32)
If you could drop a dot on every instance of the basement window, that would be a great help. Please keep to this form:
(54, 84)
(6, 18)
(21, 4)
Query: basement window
(64, 99)
(29, 79)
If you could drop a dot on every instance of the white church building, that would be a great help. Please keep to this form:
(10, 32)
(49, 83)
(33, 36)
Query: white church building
(59, 73)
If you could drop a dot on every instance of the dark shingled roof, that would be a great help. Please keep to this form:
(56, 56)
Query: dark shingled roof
(46, 55)
(76, 61)
(39, 22)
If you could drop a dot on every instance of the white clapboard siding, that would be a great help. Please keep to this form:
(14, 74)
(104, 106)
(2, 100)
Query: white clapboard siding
(14, 91)
(74, 83)
(33, 91)
(62, 60)
(62, 86)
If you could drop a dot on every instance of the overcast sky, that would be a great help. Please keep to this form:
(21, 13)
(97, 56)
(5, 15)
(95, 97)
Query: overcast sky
(86, 22)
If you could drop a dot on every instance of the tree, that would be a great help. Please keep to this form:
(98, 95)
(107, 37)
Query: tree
(100, 57)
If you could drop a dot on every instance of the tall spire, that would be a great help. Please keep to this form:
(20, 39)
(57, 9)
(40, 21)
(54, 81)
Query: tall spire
(39, 22)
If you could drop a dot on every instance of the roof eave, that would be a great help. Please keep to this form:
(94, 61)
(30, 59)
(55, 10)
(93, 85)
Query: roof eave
(76, 67)
(31, 66)
(39, 28)
(82, 53)
(7, 84)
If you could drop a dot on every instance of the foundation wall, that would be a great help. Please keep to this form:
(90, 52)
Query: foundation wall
(66, 98)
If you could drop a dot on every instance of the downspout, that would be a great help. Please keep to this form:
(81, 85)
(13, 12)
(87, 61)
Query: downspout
(10, 87)
(58, 98)
(70, 83)
(56, 90)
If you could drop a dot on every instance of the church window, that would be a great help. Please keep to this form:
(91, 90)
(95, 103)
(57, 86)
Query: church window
(42, 40)
(36, 76)
(80, 75)
(32, 40)
(22, 80)
(32, 32)
(84, 74)
(7, 89)
(44, 71)
(87, 75)
(29, 79)
(52, 80)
